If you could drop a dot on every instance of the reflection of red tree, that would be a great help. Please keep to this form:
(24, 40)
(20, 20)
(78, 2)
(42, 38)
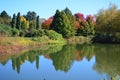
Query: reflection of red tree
(47, 56)
(77, 55)
(46, 23)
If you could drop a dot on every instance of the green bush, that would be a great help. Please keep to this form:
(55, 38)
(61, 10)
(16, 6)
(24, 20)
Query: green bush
(5, 30)
(15, 32)
(39, 33)
(53, 35)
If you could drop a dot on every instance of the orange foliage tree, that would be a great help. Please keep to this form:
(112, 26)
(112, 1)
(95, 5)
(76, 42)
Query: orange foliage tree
(46, 24)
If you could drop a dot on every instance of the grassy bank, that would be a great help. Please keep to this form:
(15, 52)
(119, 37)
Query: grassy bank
(11, 45)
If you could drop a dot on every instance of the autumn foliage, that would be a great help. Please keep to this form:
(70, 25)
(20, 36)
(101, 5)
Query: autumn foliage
(46, 23)
(84, 26)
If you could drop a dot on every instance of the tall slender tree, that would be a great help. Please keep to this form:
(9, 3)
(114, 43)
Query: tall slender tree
(13, 23)
(18, 21)
(37, 23)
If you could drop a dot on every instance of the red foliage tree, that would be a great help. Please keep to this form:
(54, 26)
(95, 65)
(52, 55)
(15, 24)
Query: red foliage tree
(80, 19)
(46, 23)
(79, 16)
(90, 17)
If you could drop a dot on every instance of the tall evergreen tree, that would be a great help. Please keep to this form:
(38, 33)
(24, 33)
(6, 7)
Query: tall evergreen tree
(37, 23)
(71, 19)
(70, 16)
(13, 23)
(62, 24)
(55, 21)
(18, 21)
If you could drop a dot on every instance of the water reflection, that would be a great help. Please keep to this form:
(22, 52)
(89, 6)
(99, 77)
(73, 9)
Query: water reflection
(108, 60)
(63, 57)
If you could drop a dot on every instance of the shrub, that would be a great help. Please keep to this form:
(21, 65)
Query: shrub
(40, 33)
(53, 35)
(5, 30)
(15, 32)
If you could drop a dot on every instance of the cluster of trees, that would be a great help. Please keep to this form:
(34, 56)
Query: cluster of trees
(63, 22)
(67, 24)
(27, 25)
(105, 25)
(21, 25)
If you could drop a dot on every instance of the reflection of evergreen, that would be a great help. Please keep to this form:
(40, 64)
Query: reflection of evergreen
(86, 51)
(63, 59)
(13, 63)
(37, 62)
(18, 61)
(108, 59)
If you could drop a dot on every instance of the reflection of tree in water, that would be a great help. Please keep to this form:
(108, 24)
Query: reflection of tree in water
(33, 55)
(108, 60)
(62, 56)
(18, 61)
(86, 51)
(63, 59)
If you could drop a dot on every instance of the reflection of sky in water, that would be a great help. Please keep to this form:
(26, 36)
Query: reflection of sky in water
(80, 70)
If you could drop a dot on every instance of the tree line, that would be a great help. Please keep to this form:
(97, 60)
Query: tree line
(103, 26)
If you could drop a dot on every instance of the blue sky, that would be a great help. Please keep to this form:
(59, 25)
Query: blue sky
(47, 8)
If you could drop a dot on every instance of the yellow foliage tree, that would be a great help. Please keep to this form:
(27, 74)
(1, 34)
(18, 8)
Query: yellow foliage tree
(24, 23)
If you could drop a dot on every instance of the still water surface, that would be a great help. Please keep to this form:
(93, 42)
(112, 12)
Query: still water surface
(68, 62)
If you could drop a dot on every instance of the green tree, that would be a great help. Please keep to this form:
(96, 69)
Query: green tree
(13, 23)
(5, 18)
(4, 15)
(70, 16)
(31, 15)
(18, 21)
(62, 24)
(104, 19)
(37, 23)
(24, 24)
(108, 25)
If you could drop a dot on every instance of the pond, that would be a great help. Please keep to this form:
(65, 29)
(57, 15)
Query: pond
(68, 62)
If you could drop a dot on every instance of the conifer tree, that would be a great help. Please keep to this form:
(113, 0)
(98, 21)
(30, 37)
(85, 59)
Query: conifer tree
(37, 23)
(13, 23)
(62, 24)
(18, 21)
